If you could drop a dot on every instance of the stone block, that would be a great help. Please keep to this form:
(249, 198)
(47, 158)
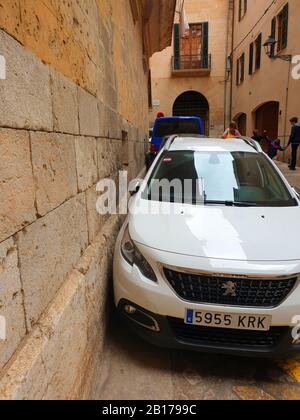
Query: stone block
(16, 183)
(25, 378)
(65, 104)
(65, 327)
(54, 168)
(103, 158)
(110, 96)
(49, 359)
(48, 250)
(94, 266)
(103, 119)
(115, 124)
(11, 301)
(95, 220)
(25, 96)
(86, 159)
(88, 114)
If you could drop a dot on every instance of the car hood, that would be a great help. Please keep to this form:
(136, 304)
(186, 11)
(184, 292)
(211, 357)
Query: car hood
(234, 233)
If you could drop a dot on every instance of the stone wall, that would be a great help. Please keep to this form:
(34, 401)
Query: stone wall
(73, 110)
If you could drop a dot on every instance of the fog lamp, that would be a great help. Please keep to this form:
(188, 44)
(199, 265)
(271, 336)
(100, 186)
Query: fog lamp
(130, 310)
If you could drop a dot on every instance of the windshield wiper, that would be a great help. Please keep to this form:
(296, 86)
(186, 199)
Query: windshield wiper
(239, 204)
(231, 203)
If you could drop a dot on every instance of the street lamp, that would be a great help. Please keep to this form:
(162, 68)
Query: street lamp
(269, 47)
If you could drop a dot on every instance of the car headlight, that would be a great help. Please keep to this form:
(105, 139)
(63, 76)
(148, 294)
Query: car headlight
(133, 256)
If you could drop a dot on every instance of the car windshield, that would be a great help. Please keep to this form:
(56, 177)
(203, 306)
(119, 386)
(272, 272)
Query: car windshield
(229, 178)
(176, 126)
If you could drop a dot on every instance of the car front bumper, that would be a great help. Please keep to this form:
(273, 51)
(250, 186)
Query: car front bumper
(161, 302)
(169, 336)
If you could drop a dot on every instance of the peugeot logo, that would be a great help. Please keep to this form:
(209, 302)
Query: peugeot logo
(230, 289)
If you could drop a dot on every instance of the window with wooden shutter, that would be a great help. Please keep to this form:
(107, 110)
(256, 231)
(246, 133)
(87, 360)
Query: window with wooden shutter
(191, 50)
(251, 53)
(285, 26)
(282, 33)
(176, 46)
(205, 45)
(273, 35)
(258, 44)
(242, 68)
(240, 71)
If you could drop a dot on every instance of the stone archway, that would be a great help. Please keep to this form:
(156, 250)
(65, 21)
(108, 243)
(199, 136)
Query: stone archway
(192, 104)
(266, 118)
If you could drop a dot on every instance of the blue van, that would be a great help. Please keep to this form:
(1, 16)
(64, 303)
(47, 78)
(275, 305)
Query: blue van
(168, 126)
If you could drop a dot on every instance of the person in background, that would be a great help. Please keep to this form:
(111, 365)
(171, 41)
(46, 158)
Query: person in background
(232, 131)
(264, 140)
(294, 142)
(274, 148)
(258, 137)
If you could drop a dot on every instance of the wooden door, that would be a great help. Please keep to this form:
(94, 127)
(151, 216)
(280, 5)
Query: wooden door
(191, 48)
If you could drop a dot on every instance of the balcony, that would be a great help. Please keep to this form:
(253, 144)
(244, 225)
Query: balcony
(191, 66)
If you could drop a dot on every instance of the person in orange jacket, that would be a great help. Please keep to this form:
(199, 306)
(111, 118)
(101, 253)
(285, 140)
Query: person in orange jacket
(232, 131)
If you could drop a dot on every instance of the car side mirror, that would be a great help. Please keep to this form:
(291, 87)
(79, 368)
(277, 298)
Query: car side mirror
(134, 187)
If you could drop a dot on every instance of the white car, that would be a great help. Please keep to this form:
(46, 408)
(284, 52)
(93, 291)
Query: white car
(213, 267)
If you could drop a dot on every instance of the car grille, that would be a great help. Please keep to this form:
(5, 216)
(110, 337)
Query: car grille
(229, 291)
(225, 337)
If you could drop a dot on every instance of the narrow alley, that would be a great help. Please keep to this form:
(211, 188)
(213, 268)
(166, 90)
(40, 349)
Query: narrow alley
(103, 104)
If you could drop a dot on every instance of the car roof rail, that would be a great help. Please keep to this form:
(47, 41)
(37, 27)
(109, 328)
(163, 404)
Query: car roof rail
(252, 143)
(169, 140)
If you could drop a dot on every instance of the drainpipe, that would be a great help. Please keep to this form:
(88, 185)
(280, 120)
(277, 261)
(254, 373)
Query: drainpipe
(231, 55)
(287, 101)
(226, 67)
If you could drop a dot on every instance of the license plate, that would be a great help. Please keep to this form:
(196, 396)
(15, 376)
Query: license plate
(228, 320)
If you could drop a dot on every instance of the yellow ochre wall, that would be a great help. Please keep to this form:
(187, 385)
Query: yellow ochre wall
(88, 41)
(166, 88)
(273, 81)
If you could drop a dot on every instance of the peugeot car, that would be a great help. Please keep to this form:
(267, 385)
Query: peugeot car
(208, 258)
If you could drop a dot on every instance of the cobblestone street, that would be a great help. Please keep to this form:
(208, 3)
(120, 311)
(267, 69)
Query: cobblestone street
(133, 369)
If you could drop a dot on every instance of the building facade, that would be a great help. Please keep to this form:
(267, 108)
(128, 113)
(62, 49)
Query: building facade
(73, 110)
(190, 77)
(265, 95)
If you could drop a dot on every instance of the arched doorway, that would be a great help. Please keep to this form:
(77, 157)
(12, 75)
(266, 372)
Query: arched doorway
(241, 120)
(192, 104)
(266, 118)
